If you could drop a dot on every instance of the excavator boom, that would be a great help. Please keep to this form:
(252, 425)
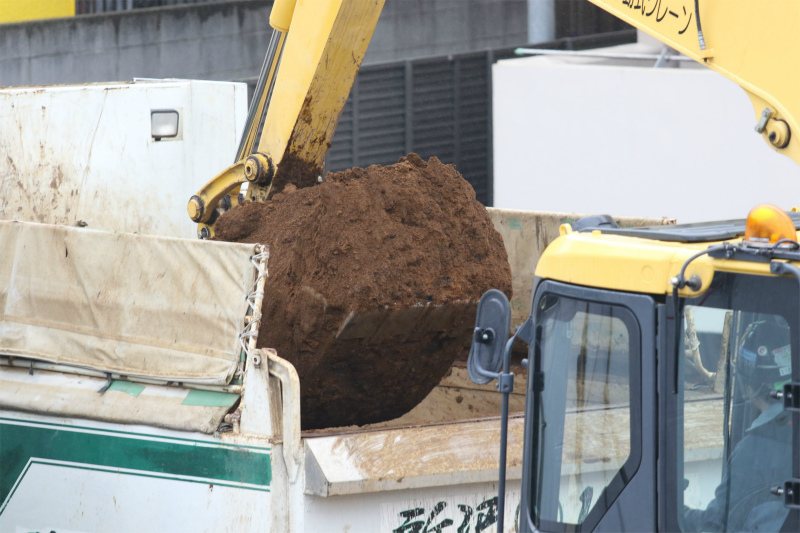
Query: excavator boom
(756, 44)
(312, 61)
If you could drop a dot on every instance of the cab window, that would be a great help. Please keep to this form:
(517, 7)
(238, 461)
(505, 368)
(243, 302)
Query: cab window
(590, 356)
(735, 438)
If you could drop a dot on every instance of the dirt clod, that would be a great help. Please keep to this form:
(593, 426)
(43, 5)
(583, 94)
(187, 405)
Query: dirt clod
(407, 248)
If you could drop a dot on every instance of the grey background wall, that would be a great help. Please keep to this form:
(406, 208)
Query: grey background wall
(425, 84)
(227, 40)
(437, 106)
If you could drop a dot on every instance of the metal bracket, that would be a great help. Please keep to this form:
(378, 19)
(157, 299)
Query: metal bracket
(290, 411)
(790, 492)
(484, 335)
(762, 123)
(505, 382)
(790, 396)
(109, 381)
(525, 331)
(538, 381)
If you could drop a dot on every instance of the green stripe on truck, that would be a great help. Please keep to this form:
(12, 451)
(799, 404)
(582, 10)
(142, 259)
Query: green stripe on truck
(21, 442)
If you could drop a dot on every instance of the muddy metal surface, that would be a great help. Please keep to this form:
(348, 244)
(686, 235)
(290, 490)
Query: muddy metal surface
(374, 277)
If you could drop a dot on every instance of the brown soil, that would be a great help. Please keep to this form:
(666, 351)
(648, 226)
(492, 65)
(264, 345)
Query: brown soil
(407, 248)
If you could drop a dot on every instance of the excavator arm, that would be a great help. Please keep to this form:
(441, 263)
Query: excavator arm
(755, 43)
(312, 60)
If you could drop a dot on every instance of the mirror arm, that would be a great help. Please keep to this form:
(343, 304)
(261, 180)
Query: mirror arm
(505, 384)
(486, 336)
(505, 379)
(486, 373)
(494, 309)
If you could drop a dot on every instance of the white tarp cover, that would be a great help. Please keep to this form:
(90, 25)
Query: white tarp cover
(123, 303)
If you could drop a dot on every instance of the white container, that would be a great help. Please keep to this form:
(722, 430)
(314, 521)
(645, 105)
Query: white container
(85, 154)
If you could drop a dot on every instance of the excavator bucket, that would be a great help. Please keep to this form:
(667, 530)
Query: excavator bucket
(378, 365)
(374, 279)
(410, 324)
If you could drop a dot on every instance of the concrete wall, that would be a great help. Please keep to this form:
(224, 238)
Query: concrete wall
(675, 142)
(409, 29)
(227, 40)
(209, 41)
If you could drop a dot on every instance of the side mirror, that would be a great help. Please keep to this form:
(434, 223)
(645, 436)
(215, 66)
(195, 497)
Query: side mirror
(492, 324)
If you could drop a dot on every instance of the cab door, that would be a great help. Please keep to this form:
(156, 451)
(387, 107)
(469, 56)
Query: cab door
(728, 443)
(591, 416)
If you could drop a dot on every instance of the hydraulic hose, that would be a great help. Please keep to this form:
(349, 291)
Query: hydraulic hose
(699, 27)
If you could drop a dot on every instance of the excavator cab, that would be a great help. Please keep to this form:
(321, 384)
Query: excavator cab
(663, 363)
(675, 409)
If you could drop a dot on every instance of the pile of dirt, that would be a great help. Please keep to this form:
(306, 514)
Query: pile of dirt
(407, 240)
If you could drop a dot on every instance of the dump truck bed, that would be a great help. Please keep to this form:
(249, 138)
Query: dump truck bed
(118, 440)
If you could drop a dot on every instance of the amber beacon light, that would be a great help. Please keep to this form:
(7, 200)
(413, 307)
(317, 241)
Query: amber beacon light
(768, 224)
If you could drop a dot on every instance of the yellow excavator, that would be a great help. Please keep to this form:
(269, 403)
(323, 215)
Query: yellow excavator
(664, 362)
(312, 60)
(663, 389)
(301, 91)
